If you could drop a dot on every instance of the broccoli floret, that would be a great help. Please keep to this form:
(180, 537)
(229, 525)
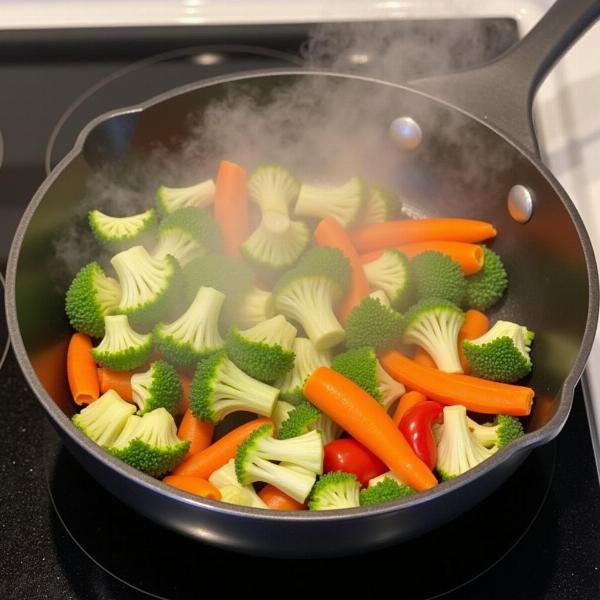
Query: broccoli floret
(502, 353)
(308, 292)
(251, 309)
(199, 195)
(433, 324)
(265, 350)
(436, 275)
(503, 430)
(308, 358)
(225, 478)
(90, 297)
(487, 286)
(158, 387)
(344, 202)
(389, 273)
(150, 444)
(387, 475)
(458, 450)
(385, 490)
(117, 233)
(381, 296)
(147, 284)
(372, 323)
(281, 412)
(273, 188)
(300, 458)
(104, 419)
(220, 388)
(304, 418)
(335, 490)
(381, 205)
(122, 348)
(195, 334)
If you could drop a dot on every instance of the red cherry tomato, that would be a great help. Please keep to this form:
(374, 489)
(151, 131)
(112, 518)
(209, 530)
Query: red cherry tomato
(352, 457)
(416, 428)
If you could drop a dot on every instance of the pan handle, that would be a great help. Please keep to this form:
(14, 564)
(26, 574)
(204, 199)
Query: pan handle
(502, 91)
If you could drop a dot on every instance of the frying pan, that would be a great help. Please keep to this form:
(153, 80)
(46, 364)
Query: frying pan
(553, 278)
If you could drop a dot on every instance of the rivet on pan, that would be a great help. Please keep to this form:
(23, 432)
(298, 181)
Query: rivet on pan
(405, 131)
(520, 203)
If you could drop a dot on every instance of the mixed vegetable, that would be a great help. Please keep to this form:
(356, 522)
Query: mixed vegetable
(355, 340)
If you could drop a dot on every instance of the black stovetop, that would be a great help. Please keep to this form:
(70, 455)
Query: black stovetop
(62, 536)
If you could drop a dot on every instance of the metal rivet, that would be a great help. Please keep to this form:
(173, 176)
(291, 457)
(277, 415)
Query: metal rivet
(405, 131)
(520, 203)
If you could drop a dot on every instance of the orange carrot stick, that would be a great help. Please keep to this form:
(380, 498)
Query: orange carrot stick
(330, 233)
(474, 326)
(396, 233)
(231, 206)
(81, 370)
(119, 381)
(405, 403)
(217, 454)
(422, 357)
(478, 395)
(198, 432)
(275, 499)
(193, 485)
(367, 422)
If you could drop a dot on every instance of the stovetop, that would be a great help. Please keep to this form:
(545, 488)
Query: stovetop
(62, 536)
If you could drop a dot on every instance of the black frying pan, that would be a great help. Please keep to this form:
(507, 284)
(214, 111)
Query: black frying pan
(553, 277)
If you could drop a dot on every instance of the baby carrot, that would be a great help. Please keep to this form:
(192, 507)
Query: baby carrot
(478, 395)
(405, 403)
(474, 326)
(275, 499)
(119, 381)
(367, 422)
(330, 233)
(81, 370)
(421, 357)
(198, 432)
(193, 485)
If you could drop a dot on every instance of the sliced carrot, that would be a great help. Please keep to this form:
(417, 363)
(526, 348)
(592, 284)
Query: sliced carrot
(474, 326)
(405, 403)
(422, 357)
(198, 432)
(396, 233)
(367, 422)
(478, 395)
(82, 372)
(231, 205)
(275, 499)
(330, 233)
(186, 386)
(193, 485)
(216, 455)
(119, 381)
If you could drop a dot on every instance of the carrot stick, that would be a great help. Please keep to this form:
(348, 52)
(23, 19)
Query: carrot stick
(231, 206)
(367, 422)
(186, 386)
(395, 233)
(422, 357)
(198, 432)
(478, 395)
(81, 370)
(330, 233)
(193, 485)
(405, 403)
(474, 326)
(119, 381)
(217, 454)
(275, 499)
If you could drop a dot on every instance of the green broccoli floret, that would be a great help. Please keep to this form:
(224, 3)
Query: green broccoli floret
(381, 296)
(150, 443)
(344, 202)
(487, 286)
(147, 285)
(195, 334)
(225, 478)
(335, 490)
(254, 307)
(90, 297)
(265, 350)
(199, 195)
(458, 450)
(381, 205)
(220, 388)
(158, 387)
(122, 348)
(371, 323)
(117, 233)
(273, 188)
(390, 273)
(436, 275)
(300, 458)
(280, 413)
(385, 490)
(308, 358)
(308, 292)
(361, 366)
(503, 430)
(104, 419)
(502, 353)
(433, 324)
(304, 418)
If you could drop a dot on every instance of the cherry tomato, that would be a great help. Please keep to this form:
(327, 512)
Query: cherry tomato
(416, 428)
(352, 457)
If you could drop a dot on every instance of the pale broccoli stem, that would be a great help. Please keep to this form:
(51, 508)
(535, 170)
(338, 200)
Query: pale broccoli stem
(200, 195)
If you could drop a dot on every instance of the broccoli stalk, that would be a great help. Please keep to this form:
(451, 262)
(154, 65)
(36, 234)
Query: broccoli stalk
(225, 478)
(389, 273)
(280, 414)
(487, 286)
(498, 434)
(384, 490)
(254, 307)
(436, 275)
(158, 387)
(335, 490)
(434, 324)
(382, 297)
(381, 205)
(199, 195)
(304, 418)
(273, 188)
(117, 233)
(90, 297)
